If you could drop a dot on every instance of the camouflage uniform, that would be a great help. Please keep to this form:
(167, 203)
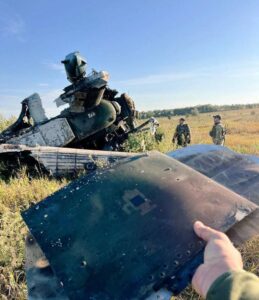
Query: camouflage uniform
(240, 285)
(182, 134)
(218, 133)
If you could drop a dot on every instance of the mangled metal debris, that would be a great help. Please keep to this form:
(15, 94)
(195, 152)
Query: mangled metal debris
(96, 117)
(119, 223)
(56, 161)
(105, 235)
(238, 172)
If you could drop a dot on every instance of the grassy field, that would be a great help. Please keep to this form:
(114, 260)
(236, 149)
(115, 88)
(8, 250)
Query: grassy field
(18, 193)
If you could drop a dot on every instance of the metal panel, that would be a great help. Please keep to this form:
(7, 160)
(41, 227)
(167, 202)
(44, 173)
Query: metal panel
(31, 139)
(57, 132)
(62, 161)
(238, 172)
(119, 233)
(54, 133)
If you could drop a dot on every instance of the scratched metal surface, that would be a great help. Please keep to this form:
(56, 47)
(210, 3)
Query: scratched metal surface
(239, 173)
(106, 234)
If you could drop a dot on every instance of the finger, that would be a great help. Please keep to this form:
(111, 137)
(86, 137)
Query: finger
(204, 232)
(196, 279)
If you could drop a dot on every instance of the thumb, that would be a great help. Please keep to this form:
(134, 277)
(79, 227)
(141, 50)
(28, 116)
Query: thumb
(204, 232)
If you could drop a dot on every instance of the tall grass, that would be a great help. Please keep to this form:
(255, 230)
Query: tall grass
(4, 123)
(16, 195)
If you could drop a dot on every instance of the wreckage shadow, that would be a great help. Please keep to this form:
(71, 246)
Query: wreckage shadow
(15, 165)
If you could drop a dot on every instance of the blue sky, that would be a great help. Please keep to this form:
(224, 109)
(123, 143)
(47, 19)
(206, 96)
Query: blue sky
(165, 54)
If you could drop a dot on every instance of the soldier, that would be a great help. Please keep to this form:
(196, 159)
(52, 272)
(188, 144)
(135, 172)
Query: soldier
(182, 134)
(218, 131)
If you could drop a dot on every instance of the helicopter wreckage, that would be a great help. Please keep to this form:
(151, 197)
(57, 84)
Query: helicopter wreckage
(88, 133)
(97, 119)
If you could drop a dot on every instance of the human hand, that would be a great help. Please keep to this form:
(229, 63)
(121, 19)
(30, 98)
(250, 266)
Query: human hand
(220, 256)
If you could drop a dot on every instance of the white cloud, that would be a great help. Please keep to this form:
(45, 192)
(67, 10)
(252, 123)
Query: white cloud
(241, 70)
(13, 26)
(48, 102)
(50, 95)
(160, 78)
(43, 84)
(55, 67)
(10, 103)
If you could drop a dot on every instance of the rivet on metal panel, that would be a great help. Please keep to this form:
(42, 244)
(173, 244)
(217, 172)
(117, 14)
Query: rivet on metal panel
(30, 240)
(162, 274)
(191, 245)
(90, 166)
(83, 263)
(176, 262)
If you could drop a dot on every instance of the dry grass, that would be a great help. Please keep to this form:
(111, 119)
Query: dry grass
(242, 127)
(4, 123)
(18, 193)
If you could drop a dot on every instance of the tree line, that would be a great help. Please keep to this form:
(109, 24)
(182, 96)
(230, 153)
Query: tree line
(194, 110)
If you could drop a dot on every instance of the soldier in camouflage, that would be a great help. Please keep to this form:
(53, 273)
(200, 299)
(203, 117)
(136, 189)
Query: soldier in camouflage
(218, 131)
(182, 134)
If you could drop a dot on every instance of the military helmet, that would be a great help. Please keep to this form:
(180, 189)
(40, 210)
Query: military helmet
(217, 117)
(75, 66)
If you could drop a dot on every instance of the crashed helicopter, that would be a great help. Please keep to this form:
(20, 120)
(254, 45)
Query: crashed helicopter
(99, 120)
(96, 118)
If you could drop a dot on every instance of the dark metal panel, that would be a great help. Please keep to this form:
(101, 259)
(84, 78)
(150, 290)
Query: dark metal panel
(238, 172)
(119, 233)
(41, 281)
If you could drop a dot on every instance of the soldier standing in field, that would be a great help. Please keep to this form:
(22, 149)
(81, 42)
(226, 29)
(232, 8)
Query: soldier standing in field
(182, 134)
(218, 131)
